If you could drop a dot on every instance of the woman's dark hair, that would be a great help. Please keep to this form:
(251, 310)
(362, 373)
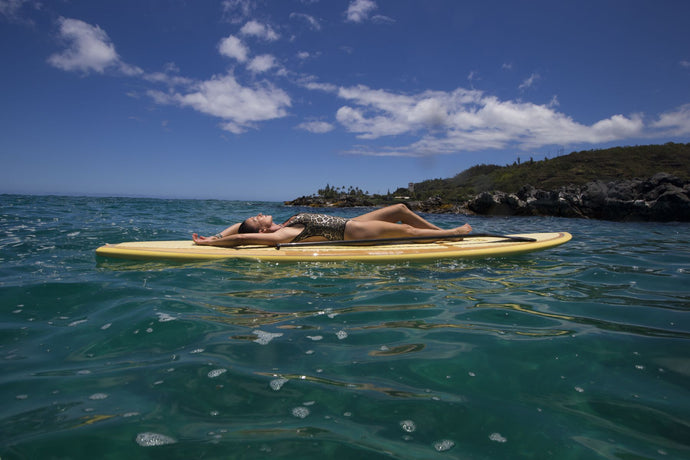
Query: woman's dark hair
(246, 227)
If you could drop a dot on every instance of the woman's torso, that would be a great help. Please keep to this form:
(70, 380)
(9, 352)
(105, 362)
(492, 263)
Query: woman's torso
(326, 226)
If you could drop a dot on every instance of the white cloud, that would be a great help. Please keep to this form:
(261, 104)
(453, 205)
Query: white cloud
(309, 83)
(359, 10)
(468, 120)
(311, 20)
(12, 10)
(89, 49)
(530, 81)
(167, 78)
(685, 64)
(236, 11)
(239, 107)
(170, 76)
(676, 122)
(256, 29)
(233, 47)
(317, 127)
(261, 64)
(380, 19)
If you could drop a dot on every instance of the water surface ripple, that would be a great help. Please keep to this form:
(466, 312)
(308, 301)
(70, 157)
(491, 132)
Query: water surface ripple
(576, 352)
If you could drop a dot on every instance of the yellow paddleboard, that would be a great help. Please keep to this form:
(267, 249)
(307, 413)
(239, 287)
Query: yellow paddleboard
(479, 246)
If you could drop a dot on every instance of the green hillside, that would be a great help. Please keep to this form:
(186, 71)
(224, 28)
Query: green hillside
(576, 168)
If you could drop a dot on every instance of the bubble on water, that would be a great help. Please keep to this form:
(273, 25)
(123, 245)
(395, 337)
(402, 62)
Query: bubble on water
(216, 372)
(106, 326)
(315, 337)
(497, 437)
(471, 374)
(263, 338)
(22, 397)
(98, 396)
(198, 350)
(164, 317)
(277, 384)
(579, 389)
(444, 445)
(154, 439)
(408, 426)
(341, 335)
(76, 323)
(300, 412)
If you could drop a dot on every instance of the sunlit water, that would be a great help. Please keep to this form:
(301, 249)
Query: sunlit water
(577, 352)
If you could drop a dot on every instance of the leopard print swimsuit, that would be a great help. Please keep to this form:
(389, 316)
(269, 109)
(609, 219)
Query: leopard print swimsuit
(330, 227)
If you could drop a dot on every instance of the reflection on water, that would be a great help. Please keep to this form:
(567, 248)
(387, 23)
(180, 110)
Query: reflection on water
(393, 392)
(252, 317)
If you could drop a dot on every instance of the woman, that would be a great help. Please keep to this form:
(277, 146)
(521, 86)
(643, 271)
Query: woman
(381, 223)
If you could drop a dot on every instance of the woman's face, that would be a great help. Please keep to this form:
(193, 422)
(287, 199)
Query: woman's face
(261, 222)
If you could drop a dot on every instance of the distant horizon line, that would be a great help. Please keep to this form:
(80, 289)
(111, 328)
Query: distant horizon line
(148, 197)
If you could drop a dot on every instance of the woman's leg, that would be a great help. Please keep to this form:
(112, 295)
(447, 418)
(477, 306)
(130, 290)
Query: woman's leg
(397, 213)
(374, 229)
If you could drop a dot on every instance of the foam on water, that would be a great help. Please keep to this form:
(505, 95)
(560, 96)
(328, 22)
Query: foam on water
(153, 439)
(300, 412)
(264, 338)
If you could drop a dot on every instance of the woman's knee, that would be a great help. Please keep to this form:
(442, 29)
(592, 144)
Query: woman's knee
(397, 212)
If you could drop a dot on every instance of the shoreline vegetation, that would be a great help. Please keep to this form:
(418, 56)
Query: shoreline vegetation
(636, 183)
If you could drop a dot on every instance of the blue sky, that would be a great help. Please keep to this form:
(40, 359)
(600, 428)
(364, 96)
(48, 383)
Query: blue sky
(273, 99)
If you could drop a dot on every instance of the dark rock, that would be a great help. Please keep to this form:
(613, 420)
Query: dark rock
(662, 197)
(673, 205)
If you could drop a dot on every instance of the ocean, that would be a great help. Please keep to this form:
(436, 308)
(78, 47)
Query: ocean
(576, 352)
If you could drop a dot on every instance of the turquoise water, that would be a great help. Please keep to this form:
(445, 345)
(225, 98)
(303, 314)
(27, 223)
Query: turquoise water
(577, 352)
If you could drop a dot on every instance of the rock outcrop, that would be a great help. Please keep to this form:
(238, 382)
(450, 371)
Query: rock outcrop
(661, 198)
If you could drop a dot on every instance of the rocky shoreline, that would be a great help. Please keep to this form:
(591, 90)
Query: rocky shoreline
(661, 198)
